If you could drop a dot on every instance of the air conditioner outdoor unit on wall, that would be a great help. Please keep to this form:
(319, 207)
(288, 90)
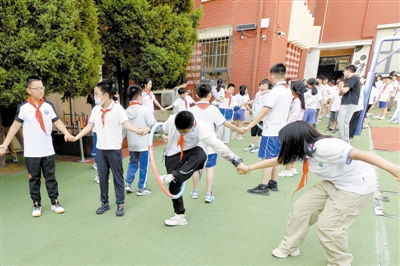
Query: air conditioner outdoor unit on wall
(167, 97)
(244, 27)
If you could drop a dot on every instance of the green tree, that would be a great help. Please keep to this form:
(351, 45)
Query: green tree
(143, 40)
(56, 40)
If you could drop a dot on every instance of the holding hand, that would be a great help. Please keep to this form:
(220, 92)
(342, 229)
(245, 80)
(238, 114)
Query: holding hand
(143, 131)
(69, 138)
(242, 169)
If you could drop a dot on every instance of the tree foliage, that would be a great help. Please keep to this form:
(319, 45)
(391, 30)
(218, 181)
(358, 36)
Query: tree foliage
(147, 40)
(55, 40)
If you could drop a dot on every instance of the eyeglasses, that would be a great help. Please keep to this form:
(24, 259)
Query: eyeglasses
(38, 88)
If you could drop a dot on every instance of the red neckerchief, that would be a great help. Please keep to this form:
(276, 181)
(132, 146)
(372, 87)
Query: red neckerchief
(203, 106)
(135, 103)
(181, 144)
(148, 92)
(103, 115)
(186, 104)
(229, 96)
(304, 177)
(38, 114)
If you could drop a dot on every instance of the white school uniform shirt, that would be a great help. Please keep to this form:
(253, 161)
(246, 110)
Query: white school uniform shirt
(148, 100)
(139, 116)
(331, 162)
(181, 105)
(36, 142)
(200, 135)
(258, 102)
(360, 105)
(226, 104)
(109, 135)
(311, 100)
(210, 115)
(218, 95)
(278, 100)
(373, 95)
(241, 99)
(337, 99)
(296, 113)
(385, 92)
(320, 98)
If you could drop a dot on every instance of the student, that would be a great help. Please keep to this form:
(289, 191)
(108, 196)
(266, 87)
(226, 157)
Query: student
(333, 127)
(148, 98)
(311, 100)
(275, 113)
(138, 145)
(218, 92)
(108, 118)
(185, 154)
(258, 103)
(226, 108)
(210, 115)
(296, 113)
(349, 182)
(241, 100)
(372, 98)
(384, 97)
(91, 100)
(360, 107)
(182, 103)
(37, 117)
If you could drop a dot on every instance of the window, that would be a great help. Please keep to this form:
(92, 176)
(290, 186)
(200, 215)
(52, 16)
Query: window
(215, 57)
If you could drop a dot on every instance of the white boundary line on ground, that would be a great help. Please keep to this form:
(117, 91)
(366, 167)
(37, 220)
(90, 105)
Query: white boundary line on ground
(380, 232)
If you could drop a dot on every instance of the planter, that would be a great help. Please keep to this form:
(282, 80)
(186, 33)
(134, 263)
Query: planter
(71, 148)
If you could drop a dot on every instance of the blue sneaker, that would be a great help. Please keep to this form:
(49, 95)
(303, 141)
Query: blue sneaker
(103, 208)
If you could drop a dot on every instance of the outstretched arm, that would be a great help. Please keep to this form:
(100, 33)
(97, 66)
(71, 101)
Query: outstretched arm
(84, 131)
(158, 104)
(60, 125)
(244, 169)
(11, 133)
(376, 160)
(137, 130)
(219, 147)
(264, 111)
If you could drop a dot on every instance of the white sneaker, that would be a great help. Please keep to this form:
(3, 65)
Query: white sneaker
(282, 173)
(177, 219)
(94, 166)
(289, 173)
(255, 150)
(194, 194)
(294, 171)
(249, 148)
(96, 179)
(143, 192)
(36, 211)
(57, 208)
(166, 179)
(208, 197)
(129, 189)
(279, 253)
(239, 137)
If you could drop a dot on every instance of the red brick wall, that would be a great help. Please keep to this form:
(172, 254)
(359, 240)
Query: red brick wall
(236, 12)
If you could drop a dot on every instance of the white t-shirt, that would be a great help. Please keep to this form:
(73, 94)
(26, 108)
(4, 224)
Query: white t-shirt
(278, 100)
(337, 99)
(228, 103)
(385, 92)
(218, 95)
(373, 95)
(109, 135)
(37, 143)
(296, 113)
(210, 115)
(360, 105)
(139, 116)
(258, 102)
(181, 105)
(148, 100)
(241, 99)
(311, 100)
(331, 162)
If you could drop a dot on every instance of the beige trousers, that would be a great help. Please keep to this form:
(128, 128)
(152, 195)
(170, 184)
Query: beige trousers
(333, 210)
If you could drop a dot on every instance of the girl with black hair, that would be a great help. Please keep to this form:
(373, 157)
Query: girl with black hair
(311, 101)
(296, 113)
(218, 92)
(148, 97)
(108, 118)
(242, 99)
(349, 182)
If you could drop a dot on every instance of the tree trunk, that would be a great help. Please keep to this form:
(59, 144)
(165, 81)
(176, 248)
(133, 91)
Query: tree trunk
(3, 157)
(125, 99)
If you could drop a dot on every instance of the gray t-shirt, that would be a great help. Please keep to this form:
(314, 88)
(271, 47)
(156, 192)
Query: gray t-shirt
(352, 96)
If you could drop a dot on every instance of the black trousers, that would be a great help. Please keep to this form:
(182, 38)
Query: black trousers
(35, 167)
(106, 160)
(192, 161)
(353, 123)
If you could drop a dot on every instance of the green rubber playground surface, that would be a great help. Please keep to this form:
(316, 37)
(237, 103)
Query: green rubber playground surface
(237, 229)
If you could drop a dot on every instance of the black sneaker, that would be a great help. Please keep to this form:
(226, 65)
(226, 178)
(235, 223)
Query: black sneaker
(273, 185)
(120, 210)
(261, 189)
(103, 208)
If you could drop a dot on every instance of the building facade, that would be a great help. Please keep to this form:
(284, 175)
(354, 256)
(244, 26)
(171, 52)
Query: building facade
(239, 40)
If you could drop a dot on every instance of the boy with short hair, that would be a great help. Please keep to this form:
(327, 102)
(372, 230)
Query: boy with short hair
(210, 115)
(185, 154)
(37, 116)
(139, 116)
(274, 114)
(226, 108)
(183, 102)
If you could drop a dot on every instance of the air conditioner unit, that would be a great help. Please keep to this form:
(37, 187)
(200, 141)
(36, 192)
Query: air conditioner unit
(167, 97)
(244, 27)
